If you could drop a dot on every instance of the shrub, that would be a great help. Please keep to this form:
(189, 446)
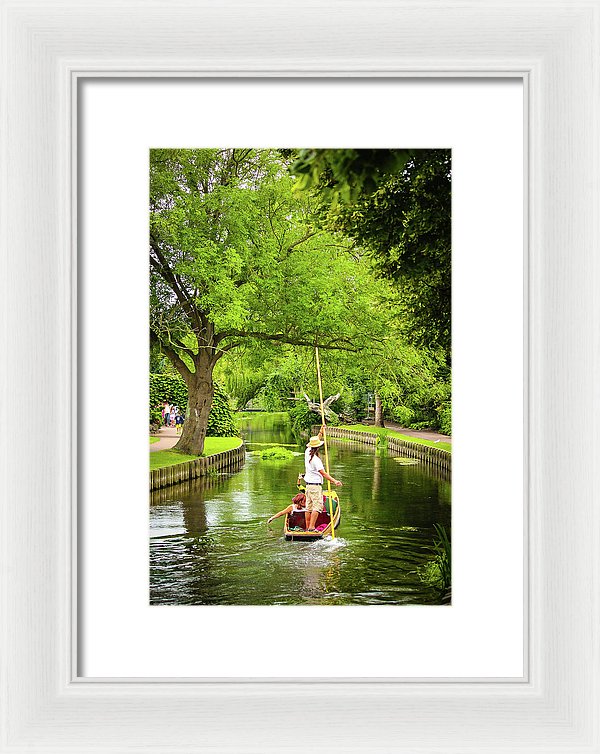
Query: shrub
(445, 418)
(402, 415)
(221, 422)
(172, 388)
(167, 387)
(438, 572)
(155, 418)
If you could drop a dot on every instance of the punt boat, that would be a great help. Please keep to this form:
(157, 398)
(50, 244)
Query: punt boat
(294, 524)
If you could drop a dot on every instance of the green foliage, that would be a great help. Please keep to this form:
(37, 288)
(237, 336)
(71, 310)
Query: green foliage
(246, 255)
(237, 257)
(166, 387)
(241, 376)
(155, 416)
(345, 174)
(246, 277)
(405, 225)
(172, 388)
(445, 418)
(302, 417)
(352, 403)
(221, 422)
(437, 572)
(279, 385)
(402, 415)
(274, 454)
(159, 363)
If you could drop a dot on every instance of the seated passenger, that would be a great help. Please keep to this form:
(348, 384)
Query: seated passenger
(298, 505)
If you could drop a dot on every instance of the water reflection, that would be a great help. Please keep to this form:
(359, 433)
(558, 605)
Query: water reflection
(210, 543)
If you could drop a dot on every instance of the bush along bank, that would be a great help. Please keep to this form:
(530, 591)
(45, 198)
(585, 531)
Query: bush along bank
(172, 388)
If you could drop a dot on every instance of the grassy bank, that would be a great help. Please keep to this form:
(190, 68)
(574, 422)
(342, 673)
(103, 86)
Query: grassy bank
(384, 432)
(212, 445)
(153, 440)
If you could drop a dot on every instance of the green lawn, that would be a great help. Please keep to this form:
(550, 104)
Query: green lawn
(392, 433)
(212, 445)
(153, 440)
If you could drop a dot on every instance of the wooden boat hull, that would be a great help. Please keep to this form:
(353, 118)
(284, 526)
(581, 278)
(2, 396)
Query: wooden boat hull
(310, 536)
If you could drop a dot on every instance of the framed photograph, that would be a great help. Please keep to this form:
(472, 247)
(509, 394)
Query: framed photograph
(380, 558)
(93, 659)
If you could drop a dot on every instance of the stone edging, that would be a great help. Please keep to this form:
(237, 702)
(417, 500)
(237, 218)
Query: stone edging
(426, 453)
(180, 472)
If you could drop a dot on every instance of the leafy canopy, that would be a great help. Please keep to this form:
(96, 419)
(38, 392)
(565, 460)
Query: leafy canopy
(236, 255)
(396, 204)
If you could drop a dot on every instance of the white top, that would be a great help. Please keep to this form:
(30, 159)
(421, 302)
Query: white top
(312, 468)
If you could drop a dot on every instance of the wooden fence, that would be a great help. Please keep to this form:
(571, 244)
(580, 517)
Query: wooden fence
(229, 460)
(426, 453)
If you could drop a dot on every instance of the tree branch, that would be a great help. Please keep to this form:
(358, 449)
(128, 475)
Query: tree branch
(342, 344)
(161, 265)
(172, 355)
(304, 238)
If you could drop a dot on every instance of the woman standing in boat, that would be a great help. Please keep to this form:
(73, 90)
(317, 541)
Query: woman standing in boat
(314, 473)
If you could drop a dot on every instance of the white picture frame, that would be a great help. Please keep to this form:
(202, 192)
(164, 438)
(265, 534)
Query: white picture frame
(47, 48)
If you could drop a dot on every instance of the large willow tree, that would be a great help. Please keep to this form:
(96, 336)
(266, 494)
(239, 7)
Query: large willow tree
(234, 258)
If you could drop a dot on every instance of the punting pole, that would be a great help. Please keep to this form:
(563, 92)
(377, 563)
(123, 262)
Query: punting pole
(325, 440)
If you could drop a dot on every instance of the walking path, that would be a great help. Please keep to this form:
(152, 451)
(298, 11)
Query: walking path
(422, 433)
(168, 438)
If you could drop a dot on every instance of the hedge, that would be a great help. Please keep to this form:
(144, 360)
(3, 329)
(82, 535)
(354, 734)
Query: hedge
(172, 388)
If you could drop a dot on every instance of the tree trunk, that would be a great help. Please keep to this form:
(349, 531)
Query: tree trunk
(378, 411)
(200, 398)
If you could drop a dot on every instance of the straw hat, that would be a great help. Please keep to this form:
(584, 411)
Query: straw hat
(315, 442)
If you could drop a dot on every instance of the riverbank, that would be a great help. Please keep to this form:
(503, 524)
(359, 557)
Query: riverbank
(181, 468)
(161, 454)
(407, 436)
(427, 452)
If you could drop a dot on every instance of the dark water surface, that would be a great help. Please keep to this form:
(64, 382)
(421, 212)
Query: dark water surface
(210, 544)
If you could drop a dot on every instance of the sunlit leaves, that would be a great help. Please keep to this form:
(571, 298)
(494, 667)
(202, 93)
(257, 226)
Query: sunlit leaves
(243, 251)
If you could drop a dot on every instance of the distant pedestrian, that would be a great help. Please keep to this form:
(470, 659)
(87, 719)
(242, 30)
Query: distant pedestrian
(179, 422)
(167, 414)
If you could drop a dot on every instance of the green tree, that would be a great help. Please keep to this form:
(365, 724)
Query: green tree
(234, 257)
(397, 205)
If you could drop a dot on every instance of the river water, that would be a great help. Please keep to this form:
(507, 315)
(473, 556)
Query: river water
(210, 543)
